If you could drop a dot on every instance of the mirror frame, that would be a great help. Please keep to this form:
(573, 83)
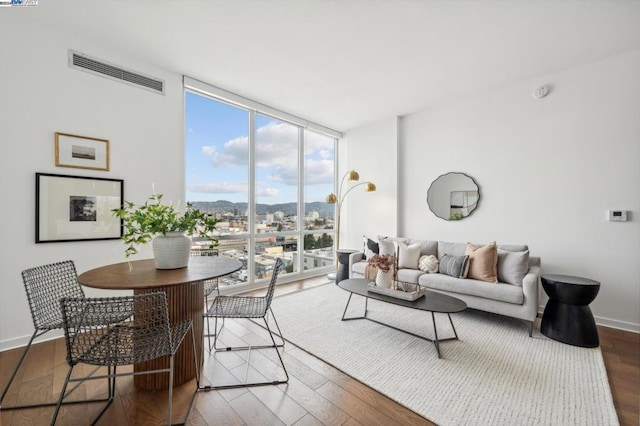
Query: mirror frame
(453, 173)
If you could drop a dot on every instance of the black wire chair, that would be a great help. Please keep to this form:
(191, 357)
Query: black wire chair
(115, 331)
(246, 307)
(45, 285)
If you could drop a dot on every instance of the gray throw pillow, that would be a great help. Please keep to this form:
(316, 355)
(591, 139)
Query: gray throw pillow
(455, 266)
(512, 266)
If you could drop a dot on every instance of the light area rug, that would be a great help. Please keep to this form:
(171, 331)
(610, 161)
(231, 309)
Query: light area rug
(495, 374)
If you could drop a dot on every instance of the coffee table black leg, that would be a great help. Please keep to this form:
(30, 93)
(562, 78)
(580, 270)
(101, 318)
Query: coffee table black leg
(436, 341)
(435, 332)
(452, 326)
(346, 307)
(366, 307)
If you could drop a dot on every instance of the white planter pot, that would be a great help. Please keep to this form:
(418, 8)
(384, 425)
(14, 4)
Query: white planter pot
(171, 251)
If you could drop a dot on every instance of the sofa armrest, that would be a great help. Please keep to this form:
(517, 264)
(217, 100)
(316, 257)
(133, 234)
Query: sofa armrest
(530, 289)
(354, 258)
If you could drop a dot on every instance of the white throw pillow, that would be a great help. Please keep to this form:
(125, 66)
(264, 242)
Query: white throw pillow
(408, 256)
(386, 247)
(428, 263)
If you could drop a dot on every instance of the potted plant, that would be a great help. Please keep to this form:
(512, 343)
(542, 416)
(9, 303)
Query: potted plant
(167, 227)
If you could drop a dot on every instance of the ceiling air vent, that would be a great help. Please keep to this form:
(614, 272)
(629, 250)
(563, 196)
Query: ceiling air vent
(82, 62)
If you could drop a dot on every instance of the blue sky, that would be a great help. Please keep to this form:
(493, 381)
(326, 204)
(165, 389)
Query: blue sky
(217, 152)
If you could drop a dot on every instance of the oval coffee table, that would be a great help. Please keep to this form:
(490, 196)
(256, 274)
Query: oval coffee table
(431, 302)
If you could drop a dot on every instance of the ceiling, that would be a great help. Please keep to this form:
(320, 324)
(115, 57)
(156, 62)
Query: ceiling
(346, 63)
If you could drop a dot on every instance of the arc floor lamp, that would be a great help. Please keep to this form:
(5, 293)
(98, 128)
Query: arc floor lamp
(350, 176)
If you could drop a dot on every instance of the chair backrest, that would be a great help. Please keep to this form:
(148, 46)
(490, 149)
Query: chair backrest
(272, 283)
(116, 330)
(45, 286)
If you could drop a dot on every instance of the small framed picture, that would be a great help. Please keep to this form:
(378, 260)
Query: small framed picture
(76, 208)
(81, 152)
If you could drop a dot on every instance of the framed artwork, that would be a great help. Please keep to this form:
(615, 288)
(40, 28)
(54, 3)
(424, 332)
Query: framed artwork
(81, 152)
(77, 208)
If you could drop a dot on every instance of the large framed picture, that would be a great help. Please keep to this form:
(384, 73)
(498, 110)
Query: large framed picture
(81, 152)
(77, 208)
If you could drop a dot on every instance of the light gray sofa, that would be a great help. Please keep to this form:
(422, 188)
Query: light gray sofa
(517, 300)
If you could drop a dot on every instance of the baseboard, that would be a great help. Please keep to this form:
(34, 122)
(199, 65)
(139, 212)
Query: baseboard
(621, 325)
(18, 342)
(607, 322)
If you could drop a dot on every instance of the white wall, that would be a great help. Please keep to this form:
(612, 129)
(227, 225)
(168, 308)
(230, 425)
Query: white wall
(39, 95)
(372, 152)
(548, 171)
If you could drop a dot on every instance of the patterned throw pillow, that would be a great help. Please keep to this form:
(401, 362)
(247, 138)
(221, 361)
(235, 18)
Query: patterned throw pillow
(455, 266)
(370, 247)
(428, 263)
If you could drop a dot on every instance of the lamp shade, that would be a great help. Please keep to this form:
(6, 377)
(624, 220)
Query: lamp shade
(370, 187)
(353, 175)
(331, 198)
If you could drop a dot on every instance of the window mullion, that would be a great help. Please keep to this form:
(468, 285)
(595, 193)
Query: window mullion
(251, 255)
(301, 206)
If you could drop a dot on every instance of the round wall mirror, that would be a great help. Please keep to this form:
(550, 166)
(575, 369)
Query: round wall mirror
(453, 196)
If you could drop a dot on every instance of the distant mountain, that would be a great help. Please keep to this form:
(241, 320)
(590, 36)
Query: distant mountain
(290, 209)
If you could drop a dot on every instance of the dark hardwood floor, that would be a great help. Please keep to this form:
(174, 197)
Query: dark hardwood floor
(317, 394)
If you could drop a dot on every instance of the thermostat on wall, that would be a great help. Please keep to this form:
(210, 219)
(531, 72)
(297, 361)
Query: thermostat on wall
(617, 215)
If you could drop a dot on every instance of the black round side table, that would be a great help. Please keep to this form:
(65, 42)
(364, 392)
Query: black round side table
(567, 317)
(343, 264)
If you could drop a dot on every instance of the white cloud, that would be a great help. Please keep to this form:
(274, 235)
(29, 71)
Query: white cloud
(267, 192)
(219, 188)
(318, 172)
(277, 149)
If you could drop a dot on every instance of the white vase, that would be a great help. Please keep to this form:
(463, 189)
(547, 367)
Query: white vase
(384, 279)
(171, 251)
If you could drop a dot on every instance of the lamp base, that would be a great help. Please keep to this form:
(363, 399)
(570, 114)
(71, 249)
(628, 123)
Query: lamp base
(332, 276)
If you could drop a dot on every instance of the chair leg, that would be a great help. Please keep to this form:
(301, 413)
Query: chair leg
(15, 371)
(274, 345)
(170, 389)
(62, 394)
(278, 327)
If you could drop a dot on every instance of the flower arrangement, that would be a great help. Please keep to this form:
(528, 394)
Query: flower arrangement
(383, 262)
(142, 223)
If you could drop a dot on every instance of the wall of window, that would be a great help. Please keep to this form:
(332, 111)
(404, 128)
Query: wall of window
(265, 179)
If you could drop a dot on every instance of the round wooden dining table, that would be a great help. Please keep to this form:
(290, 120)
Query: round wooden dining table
(185, 299)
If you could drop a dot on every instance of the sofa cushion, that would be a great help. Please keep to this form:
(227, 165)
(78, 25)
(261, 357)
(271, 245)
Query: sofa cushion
(512, 266)
(455, 266)
(408, 255)
(452, 249)
(426, 247)
(513, 247)
(359, 267)
(483, 262)
(409, 275)
(501, 292)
